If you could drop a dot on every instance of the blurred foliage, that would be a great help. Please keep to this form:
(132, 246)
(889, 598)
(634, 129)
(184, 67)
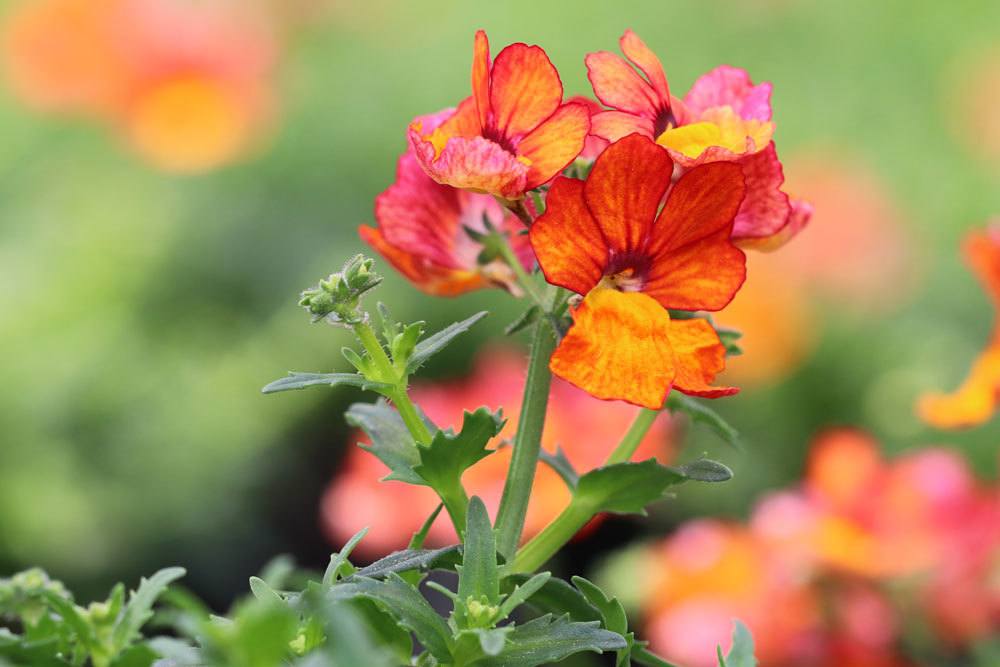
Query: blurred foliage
(142, 313)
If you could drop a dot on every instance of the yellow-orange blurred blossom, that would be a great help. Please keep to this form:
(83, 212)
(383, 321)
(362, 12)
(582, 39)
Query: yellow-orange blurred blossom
(186, 84)
(971, 101)
(587, 429)
(812, 571)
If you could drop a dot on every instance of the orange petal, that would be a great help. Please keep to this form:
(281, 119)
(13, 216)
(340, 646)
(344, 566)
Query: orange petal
(614, 125)
(618, 348)
(525, 89)
(636, 50)
(555, 143)
(698, 357)
(430, 278)
(619, 86)
(625, 188)
(695, 265)
(982, 254)
(481, 76)
(567, 241)
(971, 404)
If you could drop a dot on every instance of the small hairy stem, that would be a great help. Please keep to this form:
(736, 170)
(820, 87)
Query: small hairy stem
(527, 442)
(523, 279)
(547, 543)
(518, 208)
(636, 432)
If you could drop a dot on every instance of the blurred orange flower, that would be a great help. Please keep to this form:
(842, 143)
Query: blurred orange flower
(976, 400)
(186, 84)
(971, 101)
(849, 557)
(586, 429)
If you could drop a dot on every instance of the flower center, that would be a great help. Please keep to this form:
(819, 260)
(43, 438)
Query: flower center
(626, 272)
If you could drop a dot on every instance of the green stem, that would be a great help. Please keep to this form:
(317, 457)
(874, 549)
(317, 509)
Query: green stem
(547, 543)
(527, 442)
(529, 286)
(633, 438)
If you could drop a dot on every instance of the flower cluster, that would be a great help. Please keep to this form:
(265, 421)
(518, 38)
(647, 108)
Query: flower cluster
(850, 558)
(187, 85)
(578, 426)
(647, 237)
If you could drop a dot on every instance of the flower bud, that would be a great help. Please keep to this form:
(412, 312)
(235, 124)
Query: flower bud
(336, 298)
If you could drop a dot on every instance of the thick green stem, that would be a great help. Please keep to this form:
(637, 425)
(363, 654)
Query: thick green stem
(547, 543)
(523, 278)
(527, 442)
(633, 438)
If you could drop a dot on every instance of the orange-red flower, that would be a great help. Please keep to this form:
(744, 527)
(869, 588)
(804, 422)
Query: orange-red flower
(583, 427)
(724, 117)
(513, 134)
(607, 238)
(422, 231)
(976, 399)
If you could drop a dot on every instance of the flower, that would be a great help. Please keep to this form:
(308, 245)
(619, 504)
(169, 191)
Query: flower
(604, 239)
(424, 231)
(976, 399)
(512, 135)
(724, 117)
(187, 85)
(584, 428)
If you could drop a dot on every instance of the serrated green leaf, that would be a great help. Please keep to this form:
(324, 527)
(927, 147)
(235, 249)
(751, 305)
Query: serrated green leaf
(302, 380)
(624, 488)
(406, 605)
(431, 345)
(410, 559)
(479, 579)
(338, 561)
(546, 640)
(522, 594)
(611, 609)
(391, 441)
(140, 605)
(702, 414)
(741, 652)
(706, 470)
(555, 596)
(561, 465)
(443, 461)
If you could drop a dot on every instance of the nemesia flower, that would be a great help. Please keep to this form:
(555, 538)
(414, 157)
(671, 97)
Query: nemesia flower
(187, 85)
(975, 401)
(513, 134)
(606, 238)
(583, 427)
(422, 232)
(724, 117)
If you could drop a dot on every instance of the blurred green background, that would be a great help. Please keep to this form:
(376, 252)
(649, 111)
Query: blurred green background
(141, 313)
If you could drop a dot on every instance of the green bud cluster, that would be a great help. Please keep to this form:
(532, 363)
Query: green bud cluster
(337, 298)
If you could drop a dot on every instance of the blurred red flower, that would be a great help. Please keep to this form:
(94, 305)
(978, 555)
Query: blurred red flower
(585, 428)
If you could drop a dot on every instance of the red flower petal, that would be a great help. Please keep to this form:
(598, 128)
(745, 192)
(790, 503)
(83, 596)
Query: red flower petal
(524, 90)
(698, 357)
(619, 86)
(765, 209)
(695, 265)
(555, 143)
(614, 125)
(481, 76)
(568, 243)
(636, 50)
(732, 87)
(624, 190)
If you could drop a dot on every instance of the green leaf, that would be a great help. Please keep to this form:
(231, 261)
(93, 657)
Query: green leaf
(555, 597)
(706, 470)
(702, 414)
(302, 380)
(741, 652)
(478, 578)
(492, 641)
(444, 460)
(139, 655)
(140, 605)
(338, 561)
(384, 629)
(644, 656)
(391, 441)
(263, 591)
(624, 488)
(431, 345)
(729, 339)
(410, 559)
(546, 640)
(522, 594)
(417, 541)
(524, 320)
(561, 465)
(611, 609)
(406, 605)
